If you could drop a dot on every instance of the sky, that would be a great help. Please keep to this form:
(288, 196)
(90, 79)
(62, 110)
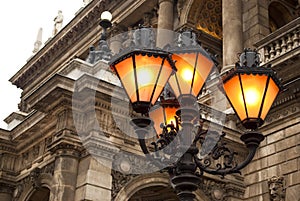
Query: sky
(20, 21)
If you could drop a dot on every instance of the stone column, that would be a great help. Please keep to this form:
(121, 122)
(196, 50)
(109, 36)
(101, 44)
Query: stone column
(232, 32)
(5, 192)
(94, 173)
(65, 173)
(165, 23)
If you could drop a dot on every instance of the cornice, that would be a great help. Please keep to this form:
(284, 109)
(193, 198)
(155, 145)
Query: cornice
(4, 134)
(61, 43)
(56, 83)
(70, 42)
(20, 131)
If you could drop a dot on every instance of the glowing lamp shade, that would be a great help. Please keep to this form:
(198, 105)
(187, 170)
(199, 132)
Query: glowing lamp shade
(143, 75)
(251, 92)
(106, 15)
(164, 114)
(193, 68)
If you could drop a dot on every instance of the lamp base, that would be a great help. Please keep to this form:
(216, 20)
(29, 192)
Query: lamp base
(252, 138)
(185, 184)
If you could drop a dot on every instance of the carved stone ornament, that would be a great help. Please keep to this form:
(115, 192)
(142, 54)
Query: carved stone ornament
(34, 177)
(17, 192)
(276, 188)
(214, 190)
(119, 180)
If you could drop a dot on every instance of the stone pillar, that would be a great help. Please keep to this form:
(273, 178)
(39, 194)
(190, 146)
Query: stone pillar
(94, 173)
(95, 180)
(5, 192)
(65, 173)
(232, 32)
(165, 23)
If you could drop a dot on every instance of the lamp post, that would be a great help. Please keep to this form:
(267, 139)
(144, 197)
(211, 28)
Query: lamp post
(145, 71)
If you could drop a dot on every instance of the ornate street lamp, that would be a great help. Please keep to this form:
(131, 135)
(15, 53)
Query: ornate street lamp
(145, 71)
(251, 89)
(163, 113)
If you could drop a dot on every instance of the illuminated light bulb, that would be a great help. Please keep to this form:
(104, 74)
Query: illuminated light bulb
(251, 96)
(144, 76)
(106, 15)
(187, 74)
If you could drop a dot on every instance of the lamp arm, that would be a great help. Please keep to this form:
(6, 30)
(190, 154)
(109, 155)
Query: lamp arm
(143, 146)
(227, 170)
(251, 140)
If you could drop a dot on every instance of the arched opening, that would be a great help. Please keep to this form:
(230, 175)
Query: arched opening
(155, 193)
(154, 187)
(40, 194)
(279, 16)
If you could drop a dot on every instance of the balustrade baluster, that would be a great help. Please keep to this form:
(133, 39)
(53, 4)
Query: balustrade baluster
(283, 45)
(277, 48)
(296, 38)
(266, 54)
(272, 51)
(289, 42)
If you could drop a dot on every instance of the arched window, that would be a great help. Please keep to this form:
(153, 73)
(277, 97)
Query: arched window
(279, 15)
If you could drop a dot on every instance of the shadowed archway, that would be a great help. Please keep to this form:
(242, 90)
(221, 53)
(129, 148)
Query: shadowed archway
(40, 194)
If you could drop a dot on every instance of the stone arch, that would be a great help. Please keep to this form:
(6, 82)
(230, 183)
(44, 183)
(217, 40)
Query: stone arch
(44, 181)
(40, 194)
(279, 15)
(149, 180)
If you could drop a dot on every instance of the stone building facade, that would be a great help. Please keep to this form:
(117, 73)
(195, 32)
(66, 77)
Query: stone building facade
(67, 142)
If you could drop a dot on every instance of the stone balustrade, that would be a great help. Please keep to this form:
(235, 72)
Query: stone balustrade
(282, 43)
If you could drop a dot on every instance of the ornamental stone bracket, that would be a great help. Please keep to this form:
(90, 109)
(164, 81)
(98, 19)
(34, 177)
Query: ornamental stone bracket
(34, 178)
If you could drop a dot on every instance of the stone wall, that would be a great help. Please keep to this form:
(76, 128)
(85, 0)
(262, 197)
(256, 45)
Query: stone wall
(255, 21)
(274, 172)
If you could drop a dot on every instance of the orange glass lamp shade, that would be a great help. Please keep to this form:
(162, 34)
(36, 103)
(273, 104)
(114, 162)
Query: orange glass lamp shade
(193, 67)
(143, 74)
(163, 114)
(251, 92)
